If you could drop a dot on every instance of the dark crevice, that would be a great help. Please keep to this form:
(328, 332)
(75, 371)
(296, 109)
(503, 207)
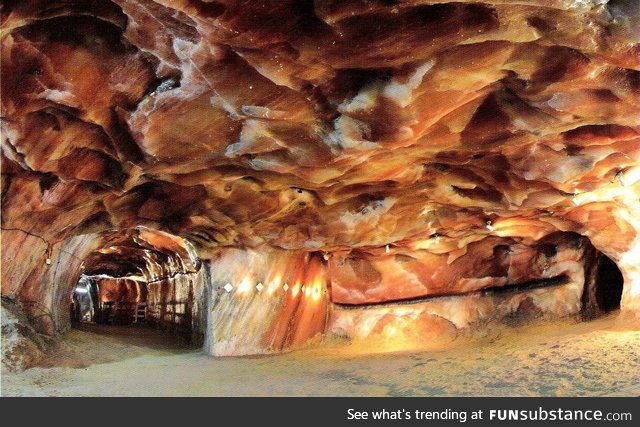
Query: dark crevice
(46, 181)
(488, 195)
(609, 284)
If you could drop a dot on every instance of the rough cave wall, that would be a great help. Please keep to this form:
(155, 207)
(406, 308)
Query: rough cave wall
(319, 126)
(42, 276)
(487, 263)
(120, 289)
(418, 297)
(264, 301)
(38, 278)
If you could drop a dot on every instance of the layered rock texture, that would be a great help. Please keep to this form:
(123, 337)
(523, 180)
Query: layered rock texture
(416, 148)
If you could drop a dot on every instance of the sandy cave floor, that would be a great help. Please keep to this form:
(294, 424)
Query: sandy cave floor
(560, 359)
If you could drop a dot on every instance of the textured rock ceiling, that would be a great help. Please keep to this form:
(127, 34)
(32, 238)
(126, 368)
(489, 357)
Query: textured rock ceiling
(142, 253)
(326, 125)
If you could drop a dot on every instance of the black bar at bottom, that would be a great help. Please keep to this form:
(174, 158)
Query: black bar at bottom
(324, 411)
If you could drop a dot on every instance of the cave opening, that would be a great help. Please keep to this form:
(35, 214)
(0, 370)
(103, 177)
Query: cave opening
(609, 285)
(603, 286)
(140, 278)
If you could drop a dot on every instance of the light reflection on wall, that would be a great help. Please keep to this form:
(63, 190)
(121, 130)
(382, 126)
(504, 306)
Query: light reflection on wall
(254, 309)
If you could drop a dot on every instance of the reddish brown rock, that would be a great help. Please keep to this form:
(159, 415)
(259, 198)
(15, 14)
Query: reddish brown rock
(439, 130)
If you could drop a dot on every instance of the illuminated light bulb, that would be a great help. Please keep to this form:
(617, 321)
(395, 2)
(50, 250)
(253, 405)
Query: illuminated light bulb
(326, 256)
(489, 225)
(47, 261)
(244, 286)
(259, 286)
(306, 290)
(274, 285)
(386, 249)
(228, 287)
(316, 291)
(285, 287)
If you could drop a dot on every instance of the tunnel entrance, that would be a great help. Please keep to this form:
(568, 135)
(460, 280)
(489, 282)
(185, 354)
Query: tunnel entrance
(603, 285)
(141, 278)
(84, 301)
(609, 284)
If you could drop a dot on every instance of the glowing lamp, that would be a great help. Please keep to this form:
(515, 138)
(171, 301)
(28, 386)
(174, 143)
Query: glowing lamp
(316, 290)
(244, 286)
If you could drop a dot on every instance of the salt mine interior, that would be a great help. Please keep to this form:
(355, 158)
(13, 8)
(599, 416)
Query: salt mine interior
(321, 182)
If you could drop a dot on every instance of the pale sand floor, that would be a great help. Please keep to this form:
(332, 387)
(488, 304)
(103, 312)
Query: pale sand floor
(560, 359)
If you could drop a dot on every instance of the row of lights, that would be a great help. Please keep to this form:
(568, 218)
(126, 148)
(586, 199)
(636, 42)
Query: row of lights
(313, 291)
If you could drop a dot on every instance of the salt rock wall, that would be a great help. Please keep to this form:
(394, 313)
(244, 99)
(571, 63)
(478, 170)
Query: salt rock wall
(40, 276)
(264, 302)
(436, 320)
(407, 300)
(440, 320)
(269, 301)
(488, 262)
(22, 346)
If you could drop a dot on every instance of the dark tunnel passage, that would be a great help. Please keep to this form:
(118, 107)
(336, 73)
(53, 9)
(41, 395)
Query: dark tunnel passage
(140, 278)
(609, 284)
(603, 286)
(109, 301)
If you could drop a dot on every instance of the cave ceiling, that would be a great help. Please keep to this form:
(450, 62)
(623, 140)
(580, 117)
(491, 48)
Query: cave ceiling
(323, 125)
